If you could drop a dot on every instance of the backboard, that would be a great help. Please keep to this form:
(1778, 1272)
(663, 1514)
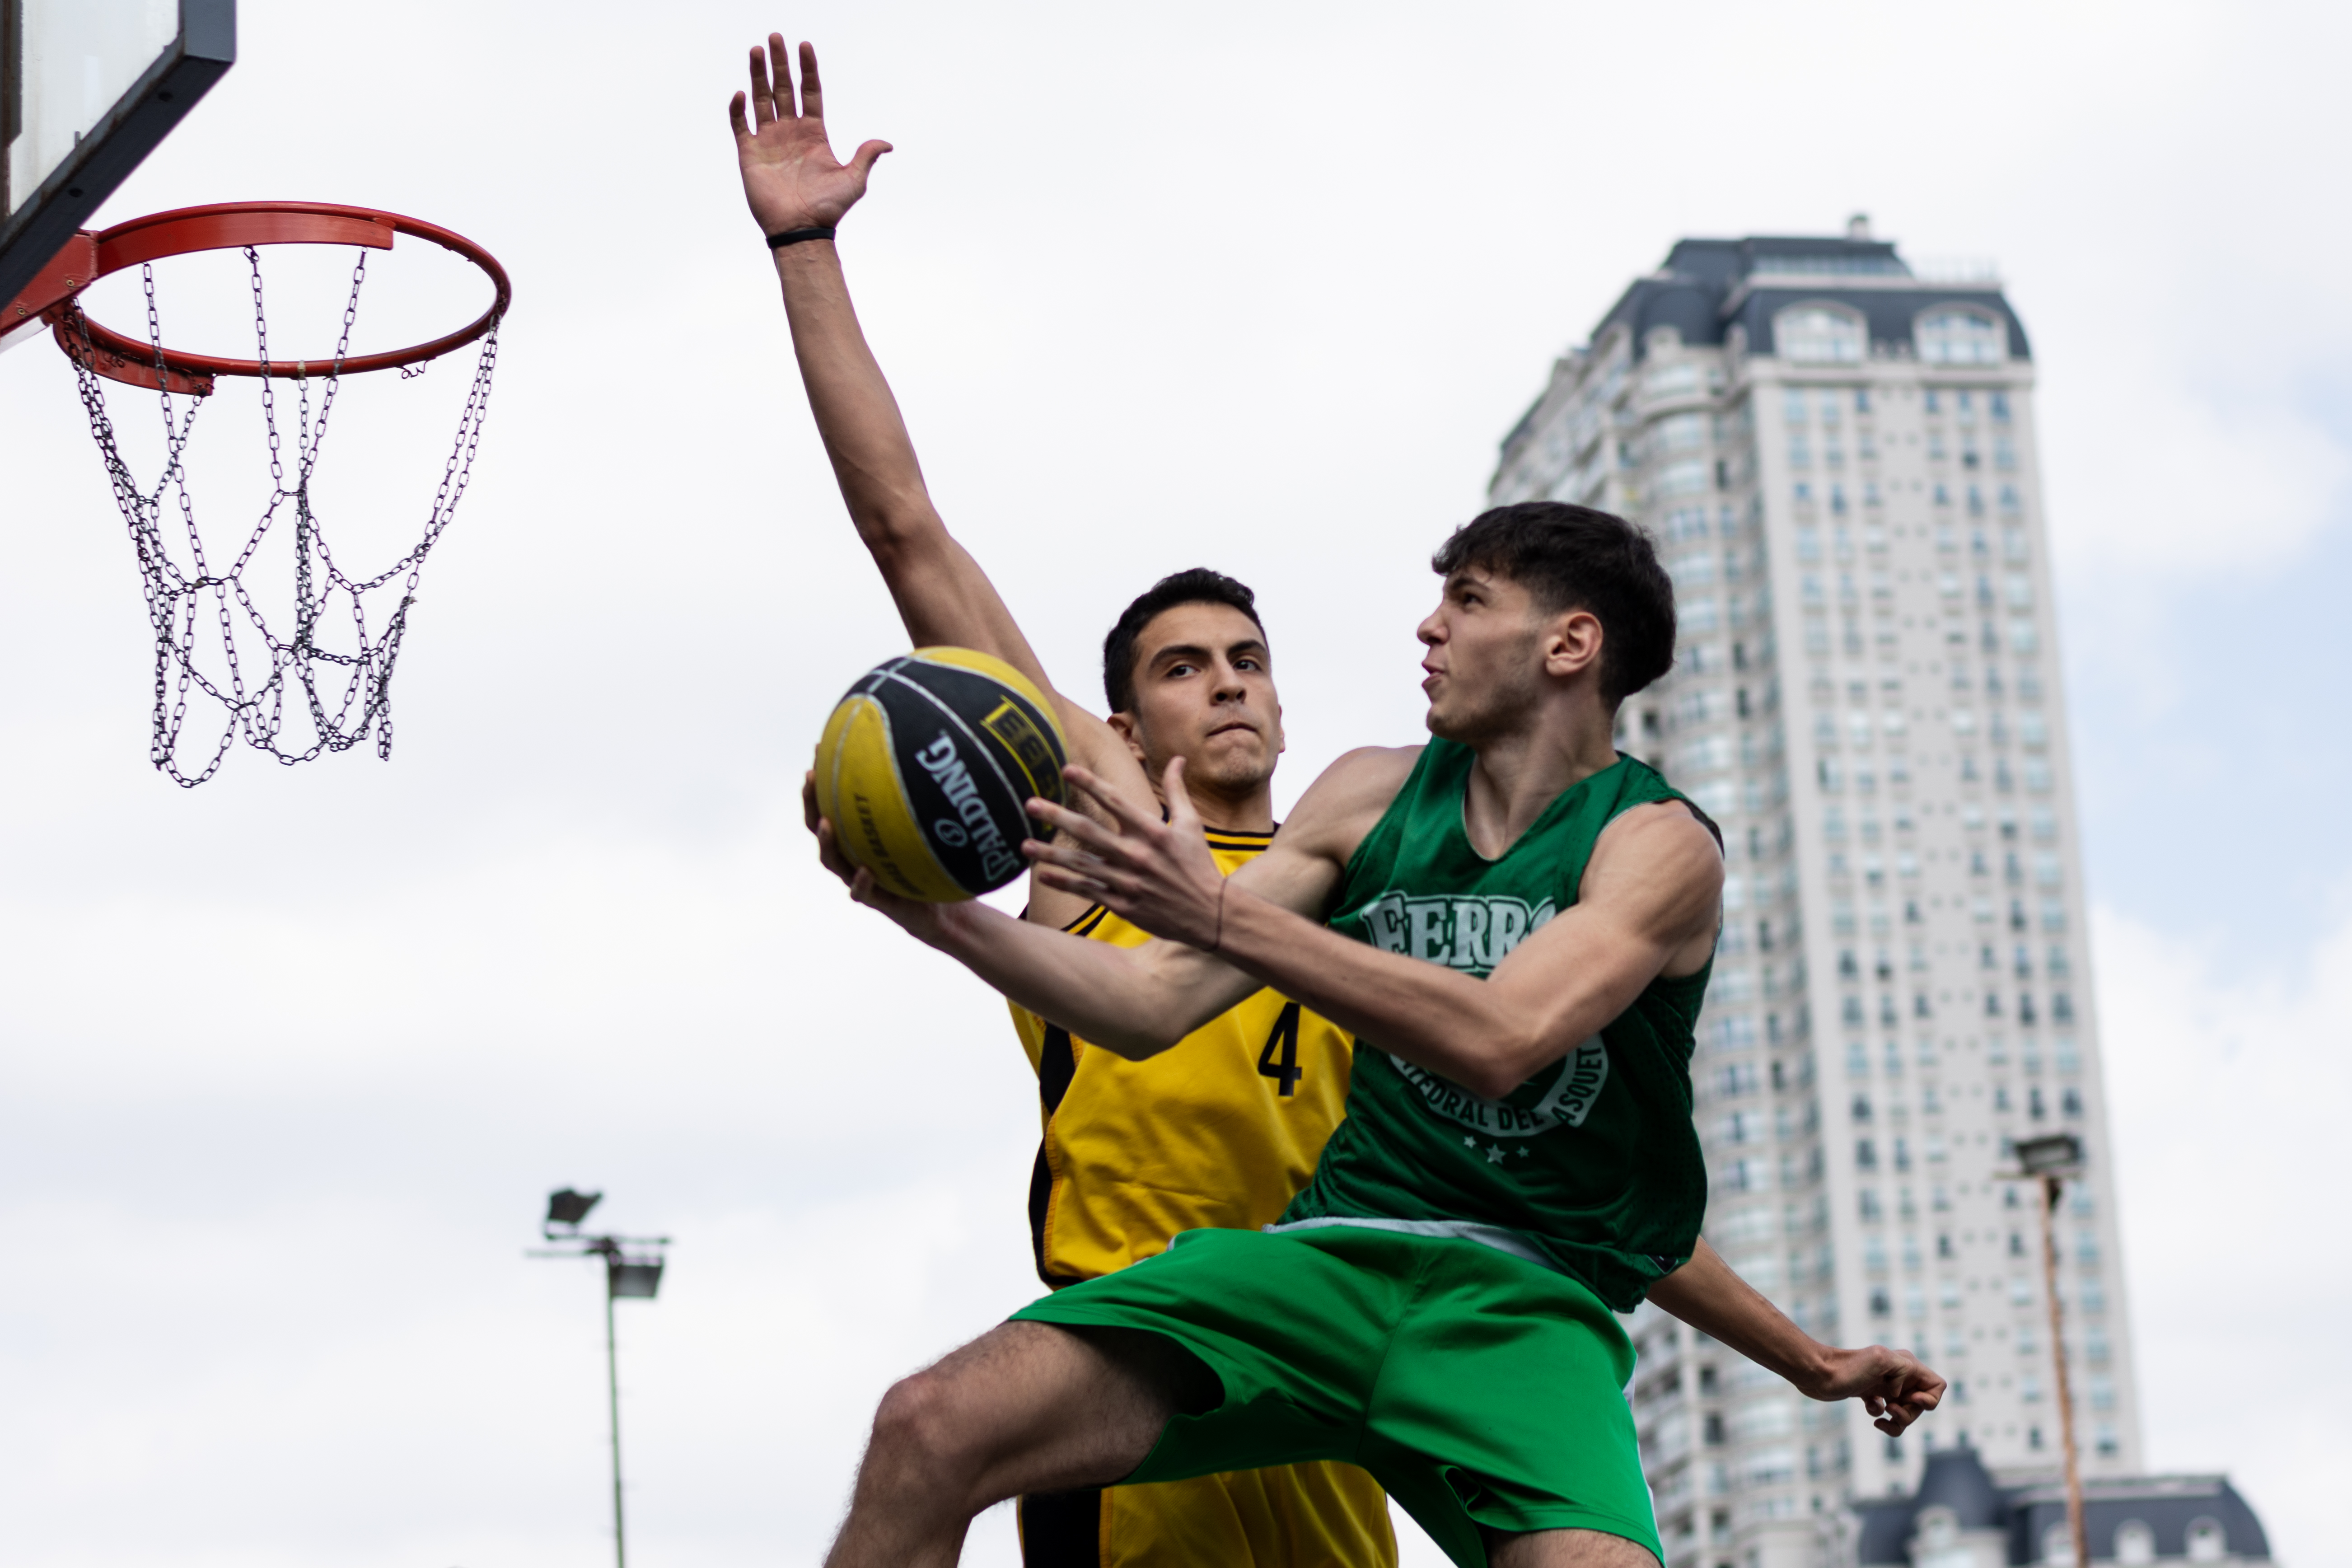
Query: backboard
(88, 88)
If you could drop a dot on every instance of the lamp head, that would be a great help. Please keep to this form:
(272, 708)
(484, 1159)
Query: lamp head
(567, 1208)
(638, 1277)
(2052, 1154)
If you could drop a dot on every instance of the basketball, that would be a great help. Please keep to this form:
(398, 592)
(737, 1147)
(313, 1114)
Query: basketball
(926, 766)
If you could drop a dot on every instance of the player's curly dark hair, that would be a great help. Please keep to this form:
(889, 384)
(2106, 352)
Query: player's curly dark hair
(1575, 558)
(1194, 585)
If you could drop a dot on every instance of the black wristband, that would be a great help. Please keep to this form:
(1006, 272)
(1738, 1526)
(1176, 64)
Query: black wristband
(794, 236)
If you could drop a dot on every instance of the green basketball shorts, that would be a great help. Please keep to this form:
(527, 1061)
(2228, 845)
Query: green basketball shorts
(1480, 1389)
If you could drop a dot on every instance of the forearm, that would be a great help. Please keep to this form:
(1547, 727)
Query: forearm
(864, 433)
(1706, 1294)
(1135, 1002)
(941, 594)
(1476, 1033)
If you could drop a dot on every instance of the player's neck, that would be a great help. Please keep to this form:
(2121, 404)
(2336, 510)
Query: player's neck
(1247, 810)
(1520, 772)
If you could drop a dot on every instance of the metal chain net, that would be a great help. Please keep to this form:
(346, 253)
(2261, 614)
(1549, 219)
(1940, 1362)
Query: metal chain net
(176, 592)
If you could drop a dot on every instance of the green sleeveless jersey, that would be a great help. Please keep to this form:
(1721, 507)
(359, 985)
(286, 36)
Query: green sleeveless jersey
(1591, 1167)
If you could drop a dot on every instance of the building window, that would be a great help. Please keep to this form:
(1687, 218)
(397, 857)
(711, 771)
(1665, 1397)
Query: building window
(2207, 1543)
(1959, 337)
(1819, 334)
(2135, 1543)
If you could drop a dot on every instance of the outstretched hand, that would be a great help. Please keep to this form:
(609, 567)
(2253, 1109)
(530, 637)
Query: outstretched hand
(1159, 875)
(790, 175)
(1892, 1384)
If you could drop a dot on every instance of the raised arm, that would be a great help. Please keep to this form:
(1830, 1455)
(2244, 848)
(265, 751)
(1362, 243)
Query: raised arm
(792, 182)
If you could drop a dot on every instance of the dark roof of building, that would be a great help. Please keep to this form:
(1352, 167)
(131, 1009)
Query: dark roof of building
(2168, 1505)
(1693, 291)
(1954, 1479)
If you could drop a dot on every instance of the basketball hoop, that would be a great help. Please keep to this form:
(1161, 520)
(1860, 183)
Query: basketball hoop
(176, 579)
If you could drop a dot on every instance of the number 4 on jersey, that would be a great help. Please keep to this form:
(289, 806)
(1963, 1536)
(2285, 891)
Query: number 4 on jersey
(1285, 1069)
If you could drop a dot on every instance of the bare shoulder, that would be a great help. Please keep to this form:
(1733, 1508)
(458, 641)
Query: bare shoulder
(1659, 869)
(1346, 800)
(1301, 869)
(1661, 840)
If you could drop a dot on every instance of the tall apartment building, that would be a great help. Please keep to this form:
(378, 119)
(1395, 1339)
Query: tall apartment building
(1837, 457)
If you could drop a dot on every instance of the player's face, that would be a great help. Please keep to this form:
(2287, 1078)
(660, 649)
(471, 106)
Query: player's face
(1204, 692)
(1484, 670)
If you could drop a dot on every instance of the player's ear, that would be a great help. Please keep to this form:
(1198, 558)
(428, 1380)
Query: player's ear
(1125, 727)
(1572, 642)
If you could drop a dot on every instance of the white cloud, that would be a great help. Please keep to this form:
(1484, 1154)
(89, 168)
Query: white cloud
(2226, 1094)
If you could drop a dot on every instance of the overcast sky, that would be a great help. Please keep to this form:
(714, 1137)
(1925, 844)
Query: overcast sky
(292, 1060)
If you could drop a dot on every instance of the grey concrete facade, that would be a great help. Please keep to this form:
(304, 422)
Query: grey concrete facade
(1838, 459)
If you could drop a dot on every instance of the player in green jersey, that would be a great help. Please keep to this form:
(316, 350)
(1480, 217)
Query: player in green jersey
(1518, 924)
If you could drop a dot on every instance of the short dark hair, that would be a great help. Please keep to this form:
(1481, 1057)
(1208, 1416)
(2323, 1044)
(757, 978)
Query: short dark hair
(1575, 558)
(1195, 586)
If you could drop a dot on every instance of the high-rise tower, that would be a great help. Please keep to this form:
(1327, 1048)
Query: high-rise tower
(1837, 457)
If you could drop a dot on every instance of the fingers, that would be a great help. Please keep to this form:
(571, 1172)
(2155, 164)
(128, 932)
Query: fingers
(1180, 815)
(863, 159)
(808, 800)
(812, 95)
(735, 117)
(1074, 823)
(763, 97)
(1064, 881)
(1127, 817)
(780, 67)
(1063, 858)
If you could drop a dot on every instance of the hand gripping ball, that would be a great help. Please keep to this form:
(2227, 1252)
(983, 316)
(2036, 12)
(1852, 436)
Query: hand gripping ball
(925, 767)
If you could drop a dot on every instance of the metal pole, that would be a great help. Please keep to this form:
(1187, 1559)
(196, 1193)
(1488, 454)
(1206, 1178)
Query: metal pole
(613, 1375)
(2050, 1188)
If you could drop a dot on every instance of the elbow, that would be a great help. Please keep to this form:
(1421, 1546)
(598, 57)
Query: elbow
(1135, 1045)
(1492, 1083)
(890, 534)
(1494, 1079)
(1507, 1060)
(1132, 1038)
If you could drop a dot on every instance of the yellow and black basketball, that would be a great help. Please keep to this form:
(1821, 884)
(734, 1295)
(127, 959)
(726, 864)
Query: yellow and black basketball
(926, 767)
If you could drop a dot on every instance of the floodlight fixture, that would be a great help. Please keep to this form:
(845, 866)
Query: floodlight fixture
(2052, 1154)
(566, 1207)
(638, 1277)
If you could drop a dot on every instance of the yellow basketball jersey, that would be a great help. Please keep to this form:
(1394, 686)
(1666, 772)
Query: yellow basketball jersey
(1219, 1131)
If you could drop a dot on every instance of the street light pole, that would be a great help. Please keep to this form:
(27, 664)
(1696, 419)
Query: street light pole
(2050, 1160)
(2051, 1185)
(637, 1275)
(612, 1385)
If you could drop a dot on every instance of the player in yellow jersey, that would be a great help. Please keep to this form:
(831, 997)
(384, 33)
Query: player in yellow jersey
(1220, 1134)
